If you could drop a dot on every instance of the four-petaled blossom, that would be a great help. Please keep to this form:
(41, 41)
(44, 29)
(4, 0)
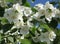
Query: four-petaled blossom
(27, 11)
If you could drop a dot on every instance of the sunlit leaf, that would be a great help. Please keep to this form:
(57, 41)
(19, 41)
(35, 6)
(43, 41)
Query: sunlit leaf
(9, 0)
(11, 39)
(27, 4)
(25, 41)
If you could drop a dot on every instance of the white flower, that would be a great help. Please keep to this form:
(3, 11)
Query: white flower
(49, 11)
(9, 14)
(47, 37)
(12, 16)
(27, 11)
(52, 35)
(44, 37)
(24, 30)
(36, 16)
(48, 5)
(18, 7)
(57, 11)
(18, 24)
(39, 7)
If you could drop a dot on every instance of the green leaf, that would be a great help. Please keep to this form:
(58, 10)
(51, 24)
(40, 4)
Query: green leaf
(0, 37)
(9, 0)
(43, 25)
(27, 4)
(3, 20)
(11, 39)
(25, 41)
(33, 29)
(34, 10)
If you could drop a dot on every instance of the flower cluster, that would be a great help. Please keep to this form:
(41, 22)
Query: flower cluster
(48, 10)
(24, 19)
(44, 37)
